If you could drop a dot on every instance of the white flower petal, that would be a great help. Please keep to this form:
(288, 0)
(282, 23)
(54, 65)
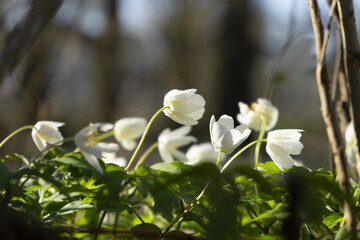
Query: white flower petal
(224, 137)
(184, 119)
(226, 121)
(178, 155)
(130, 128)
(281, 143)
(180, 142)
(45, 133)
(92, 150)
(170, 141)
(181, 131)
(165, 154)
(251, 117)
(106, 147)
(281, 158)
(128, 144)
(185, 107)
(41, 144)
(92, 160)
(203, 152)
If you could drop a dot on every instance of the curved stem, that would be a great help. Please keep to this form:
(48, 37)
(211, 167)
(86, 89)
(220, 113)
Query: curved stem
(100, 223)
(144, 156)
(143, 137)
(177, 218)
(240, 152)
(218, 161)
(115, 224)
(258, 146)
(16, 132)
(261, 136)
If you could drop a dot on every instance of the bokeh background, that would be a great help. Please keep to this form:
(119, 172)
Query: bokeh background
(82, 61)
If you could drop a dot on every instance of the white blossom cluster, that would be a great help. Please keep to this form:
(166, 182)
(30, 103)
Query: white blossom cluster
(185, 107)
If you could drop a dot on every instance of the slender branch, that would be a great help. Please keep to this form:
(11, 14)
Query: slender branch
(327, 112)
(351, 50)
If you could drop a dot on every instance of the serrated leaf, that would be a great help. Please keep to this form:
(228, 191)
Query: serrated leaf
(333, 219)
(279, 211)
(256, 176)
(73, 207)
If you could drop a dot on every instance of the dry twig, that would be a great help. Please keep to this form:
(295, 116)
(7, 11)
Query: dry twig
(327, 112)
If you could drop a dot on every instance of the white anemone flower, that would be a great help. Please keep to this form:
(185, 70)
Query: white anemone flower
(224, 137)
(91, 149)
(126, 130)
(185, 106)
(110, 157)
(170, 141)
(350, 144)
(282, 143)
(251, 116)
(200, 153)
(46, 133)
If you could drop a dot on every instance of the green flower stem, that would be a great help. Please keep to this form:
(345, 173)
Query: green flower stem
(148, 151)
(261, 136)
(218, 161)
(177, 218)
(240, 152)
(258, 146)
(187, 209)
(115, 225)
(103, 136)
(143, 136)
(16, 132)
(100, 223)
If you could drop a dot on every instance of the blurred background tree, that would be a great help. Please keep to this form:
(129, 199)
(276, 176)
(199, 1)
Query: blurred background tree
(81, 61)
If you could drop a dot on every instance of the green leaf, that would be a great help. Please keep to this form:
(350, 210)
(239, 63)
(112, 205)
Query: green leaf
(279, 211)
(145, 231)
(72, 161)
(164, 197)
(73, 207)
(166, 167)
(333, 219)
(268, 168)
(18, 157)
(342, 234)
(54, 152)
(5, 175)
(256, 176)
(173, 168)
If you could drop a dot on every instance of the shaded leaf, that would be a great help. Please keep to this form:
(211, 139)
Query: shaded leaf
(145, 231)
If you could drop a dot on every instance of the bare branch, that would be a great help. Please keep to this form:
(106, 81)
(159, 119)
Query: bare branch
(351, 50)
(327, 112)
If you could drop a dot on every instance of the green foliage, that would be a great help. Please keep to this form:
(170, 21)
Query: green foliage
(174, 200)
